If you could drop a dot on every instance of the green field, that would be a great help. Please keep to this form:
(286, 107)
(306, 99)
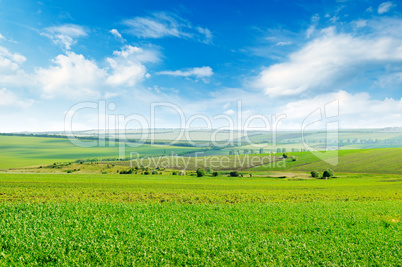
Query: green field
(74, 220)
(21, 151)
(275, 215)
(380, 160)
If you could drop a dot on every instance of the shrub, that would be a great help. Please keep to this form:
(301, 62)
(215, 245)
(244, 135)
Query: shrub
(294, 158)
(200, 172)
(234, 174)
(130, 171)
(146, 172)
(215, 174)
(285, 155)
(174, 173)
(154, 172)
(315, 174)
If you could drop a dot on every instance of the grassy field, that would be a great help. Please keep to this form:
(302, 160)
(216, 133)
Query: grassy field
(61, 188)
(381, 160)
(72, 219)
(337, 234)
(21, 151)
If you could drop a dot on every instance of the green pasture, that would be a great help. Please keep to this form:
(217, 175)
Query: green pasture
(21, 151)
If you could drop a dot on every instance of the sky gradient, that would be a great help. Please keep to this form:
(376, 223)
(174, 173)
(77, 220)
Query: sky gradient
(275, 57)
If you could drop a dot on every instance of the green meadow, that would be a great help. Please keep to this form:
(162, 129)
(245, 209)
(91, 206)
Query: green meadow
(276, 214)
(379, 160)
(75, 220)
(22, 151)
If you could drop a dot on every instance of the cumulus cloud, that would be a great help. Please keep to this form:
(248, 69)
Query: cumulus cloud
(385, 7)
(357, 110)
(2, 37)
(72, 76)
(327, 60)
(11, 73)
(9, 99)
(10, 61)
(163, 24)
(196, 72)
(65, 35)
(128, 67)
(117, 35)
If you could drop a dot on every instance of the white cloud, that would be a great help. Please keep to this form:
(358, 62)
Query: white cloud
(202, 72)
(229, 112)
(357, 110)
(72, 76)
(163, 24)
(11, 73)
(2, 37)
(117, 35)
(323, 62)
(385, 7)
(314, 22)
(128, 67)
(10, 62)
(9, 99)
(65, 35)
(283, 43)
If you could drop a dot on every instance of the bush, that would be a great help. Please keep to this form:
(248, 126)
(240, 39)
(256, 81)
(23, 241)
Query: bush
(215, 174)
(146, 172)
(285, 155)
(328, 173)
(200, 172)
(130, 171)
(154, 172)
(174, 173)
(315, 174)
(234, 174)
(294, 158)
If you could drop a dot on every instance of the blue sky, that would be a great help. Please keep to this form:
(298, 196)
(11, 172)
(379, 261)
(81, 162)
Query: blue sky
(276, 57)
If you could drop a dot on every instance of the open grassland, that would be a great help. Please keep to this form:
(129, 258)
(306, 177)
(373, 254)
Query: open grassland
(61, 188)
(21, 151)
(75, 220)
(381, 160)
(328, 234)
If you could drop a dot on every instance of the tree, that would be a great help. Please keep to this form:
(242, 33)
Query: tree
(283, 150)
(328, 174)
(278, 150)
(315, 174)
(200, 172)
(261, 151)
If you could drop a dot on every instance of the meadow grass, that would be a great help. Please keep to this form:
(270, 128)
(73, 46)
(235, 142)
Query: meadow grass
(105, 220)
(22, 151)
(61, 188)
(378, 160)
(284, 234)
